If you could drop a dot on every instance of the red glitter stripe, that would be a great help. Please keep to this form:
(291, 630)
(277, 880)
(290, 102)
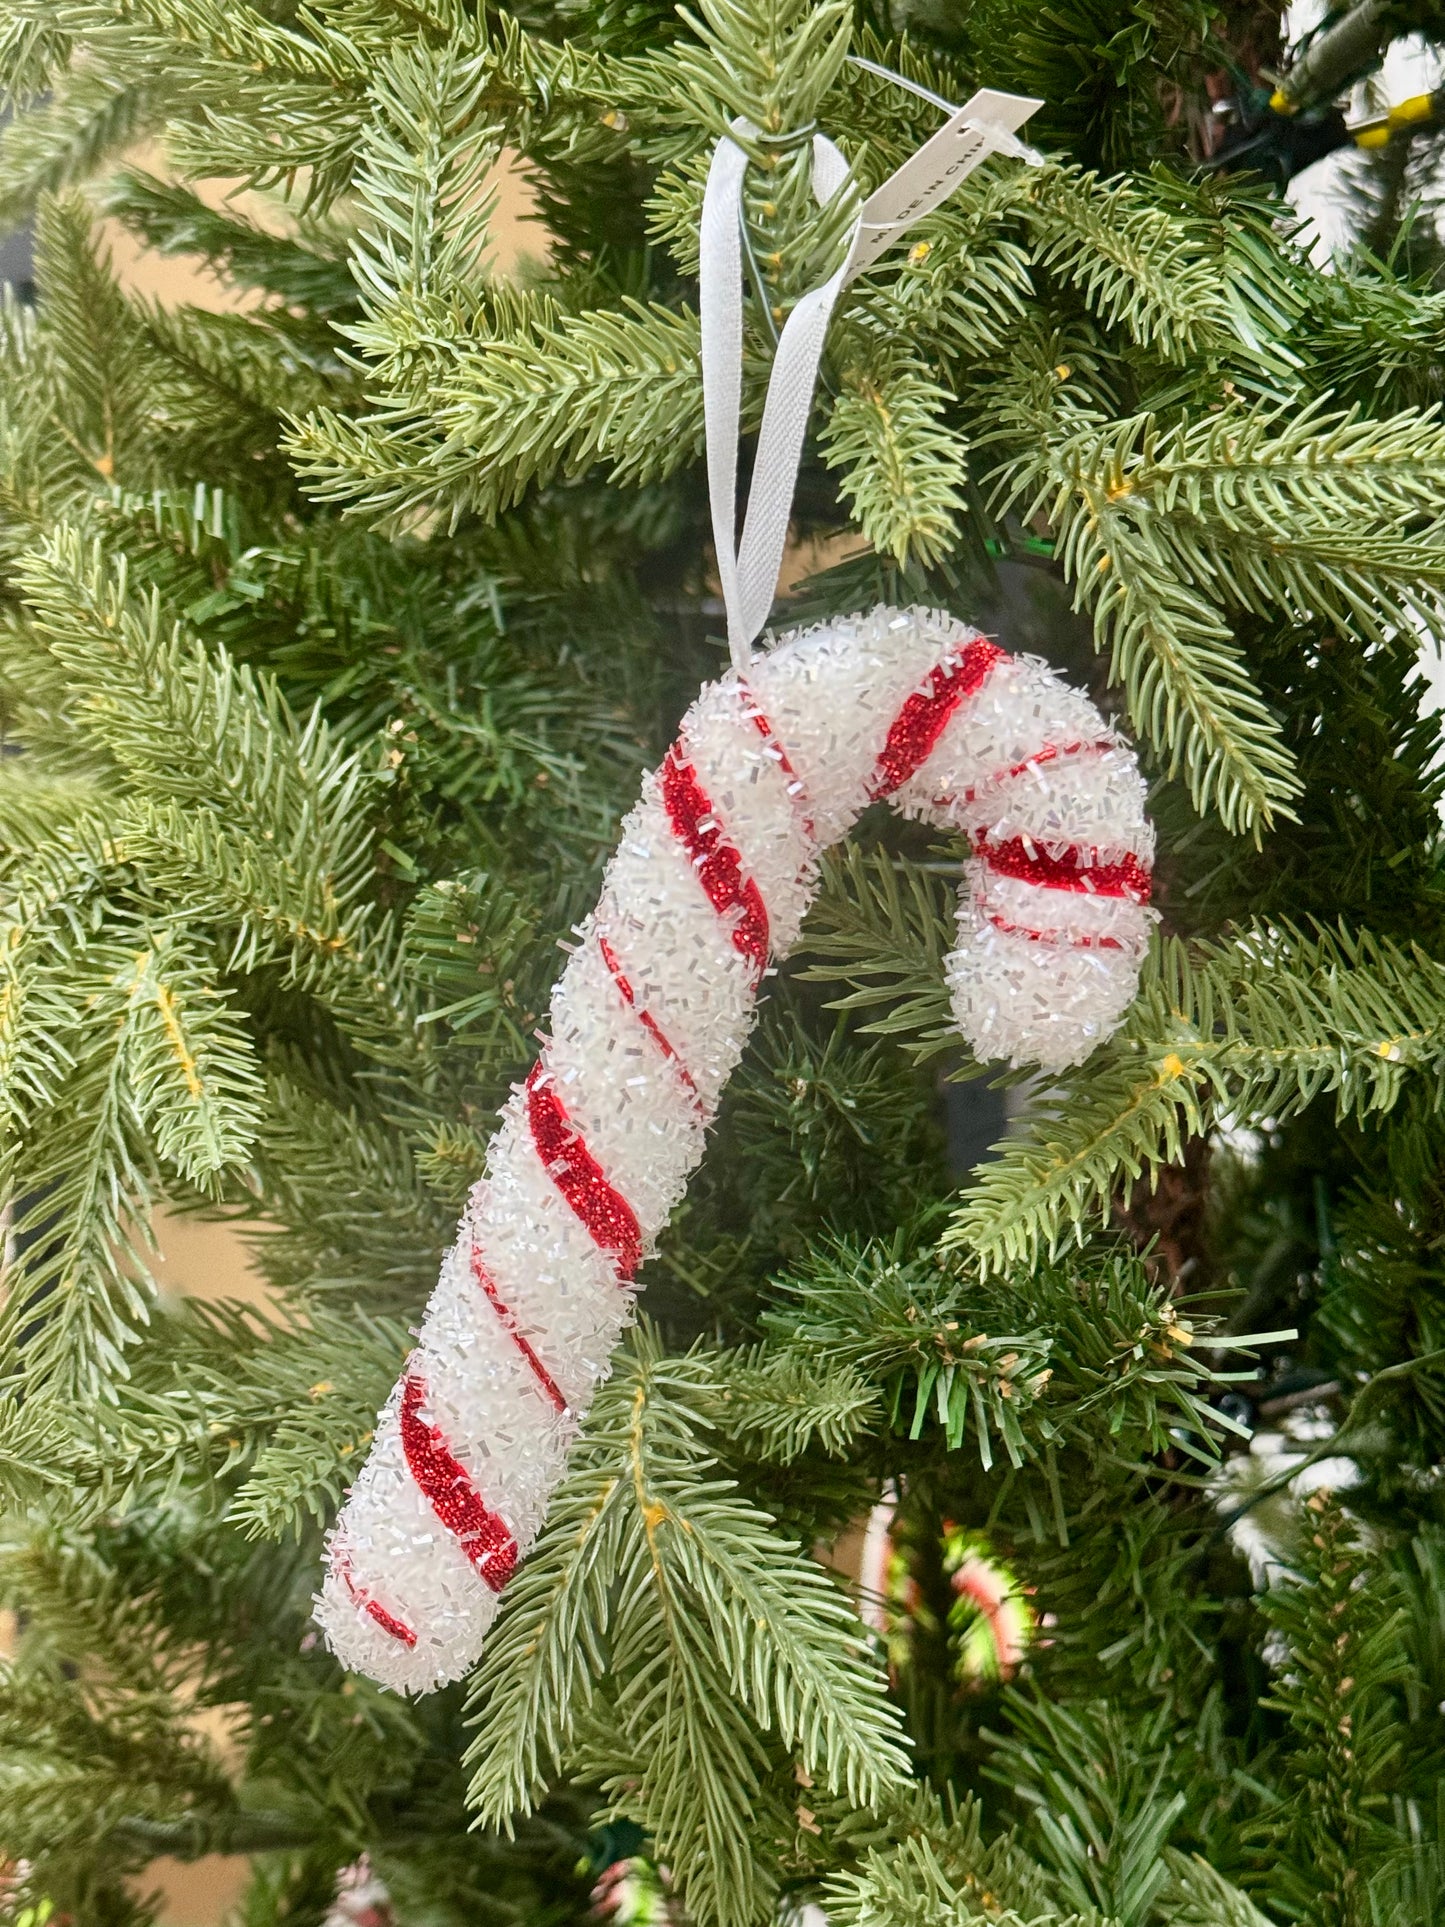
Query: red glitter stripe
(508, 1317)
(1061, 939)
(1071, 869)
(448, 1489)
(797, 794)
(645, 1017)
(388, 1622)
(580, 1179)
(719, 868)
(924, 717)
(1048, 754)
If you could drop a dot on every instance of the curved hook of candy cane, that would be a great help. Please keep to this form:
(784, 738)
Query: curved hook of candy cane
(716, 867)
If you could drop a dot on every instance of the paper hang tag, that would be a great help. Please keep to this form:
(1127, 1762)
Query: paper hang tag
(982, 126)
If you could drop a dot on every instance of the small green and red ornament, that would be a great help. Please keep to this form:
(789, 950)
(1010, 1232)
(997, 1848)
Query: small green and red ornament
(991, 1623)
(634, 1893)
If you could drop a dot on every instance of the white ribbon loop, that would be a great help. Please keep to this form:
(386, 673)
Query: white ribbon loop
(748, 570)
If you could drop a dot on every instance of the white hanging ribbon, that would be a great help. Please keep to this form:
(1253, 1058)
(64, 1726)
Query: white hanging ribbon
(749, 572)
(749, 569)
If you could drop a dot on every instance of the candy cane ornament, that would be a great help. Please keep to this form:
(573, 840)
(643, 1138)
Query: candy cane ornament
(711, 881)
(714, 873)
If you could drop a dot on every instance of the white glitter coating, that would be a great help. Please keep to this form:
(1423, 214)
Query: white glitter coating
(1041, 973)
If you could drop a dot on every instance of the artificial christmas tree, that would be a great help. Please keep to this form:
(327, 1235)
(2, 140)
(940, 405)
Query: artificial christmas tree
(338, 632)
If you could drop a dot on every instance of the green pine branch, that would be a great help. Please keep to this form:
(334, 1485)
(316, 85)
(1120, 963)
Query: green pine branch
(254, 818)
(1195, 1895)
(936, 1869)
(904, 468)
(880, 926)
(779, 1404)
(50, 148)
(93, 1726)
(188, 1059)
(347, 1213)
(1344, 1657)
(1093, 1357)
(1163, 529)
(769, 64)
(92, 348)
(1136, 263)
(1264, 1023)
(33, 52)
(1100, 1807)
(619, 388)
(657, 1591)
(425, 209)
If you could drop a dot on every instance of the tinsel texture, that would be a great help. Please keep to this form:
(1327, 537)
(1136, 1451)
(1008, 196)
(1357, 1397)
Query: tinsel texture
(714, 873)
